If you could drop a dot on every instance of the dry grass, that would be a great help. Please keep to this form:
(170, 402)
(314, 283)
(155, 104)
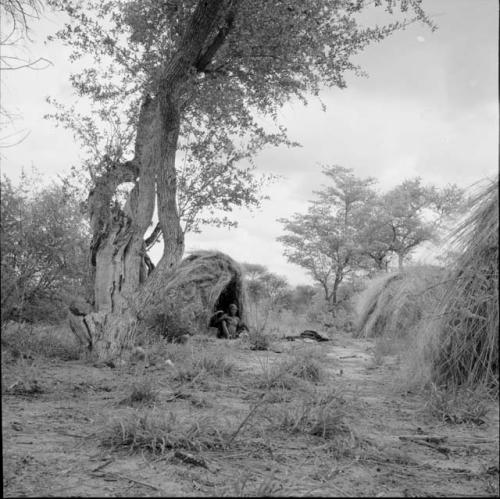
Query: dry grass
(458, 346)
(142, 392)
(393, 304)
(319, 414)
(205, 281)
(159, 433)
(47, 341)
(468, 347)
(304, 366)
(461, 406)
(199, 364)
(323, 415)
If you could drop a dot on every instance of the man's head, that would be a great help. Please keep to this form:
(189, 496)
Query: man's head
(233, 309)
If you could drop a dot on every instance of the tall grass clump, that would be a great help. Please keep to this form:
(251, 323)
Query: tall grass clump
(462, 344)
(199, 364)
(142, 392)
(158, 433)
(304, 366)
(392, 305)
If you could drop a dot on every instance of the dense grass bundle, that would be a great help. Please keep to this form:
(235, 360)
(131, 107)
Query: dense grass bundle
(466, 349)
(393, 305)
(204, 282)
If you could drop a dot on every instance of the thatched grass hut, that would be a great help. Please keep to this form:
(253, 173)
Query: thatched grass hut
(466, 344)
(204, 282)
(392, 305)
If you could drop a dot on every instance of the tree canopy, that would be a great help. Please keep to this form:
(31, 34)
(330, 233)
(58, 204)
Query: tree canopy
(351, 228)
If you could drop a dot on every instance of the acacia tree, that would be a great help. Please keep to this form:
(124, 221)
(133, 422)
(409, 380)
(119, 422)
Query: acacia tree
(189, 66)
(325, 240)
(413, 214)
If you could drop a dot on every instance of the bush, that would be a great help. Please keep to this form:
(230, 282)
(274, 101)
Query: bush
(44, 241)
(41, 340)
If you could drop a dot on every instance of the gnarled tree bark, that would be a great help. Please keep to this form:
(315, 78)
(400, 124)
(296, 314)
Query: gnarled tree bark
(126, 286)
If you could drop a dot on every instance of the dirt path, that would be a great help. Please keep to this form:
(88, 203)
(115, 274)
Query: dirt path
(51, 440)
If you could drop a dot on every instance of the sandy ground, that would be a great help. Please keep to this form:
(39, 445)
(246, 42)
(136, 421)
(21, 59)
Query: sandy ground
(52, 440)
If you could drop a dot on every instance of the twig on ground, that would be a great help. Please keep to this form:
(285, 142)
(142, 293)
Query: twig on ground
(432, 439)
(439, 448)
(103, 465)
(116, 475)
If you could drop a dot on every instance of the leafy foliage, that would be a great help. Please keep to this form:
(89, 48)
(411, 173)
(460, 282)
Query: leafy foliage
(259, 55)
(43, 238)
(325, 240)
(350, 228)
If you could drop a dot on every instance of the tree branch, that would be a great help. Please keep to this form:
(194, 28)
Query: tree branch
(206, 58)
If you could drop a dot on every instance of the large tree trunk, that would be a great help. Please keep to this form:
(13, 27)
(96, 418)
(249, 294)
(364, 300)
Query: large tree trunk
(118, 250)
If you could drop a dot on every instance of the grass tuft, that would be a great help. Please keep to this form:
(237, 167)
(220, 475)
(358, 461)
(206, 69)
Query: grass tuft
(159, 433)
(198, 364)
(143, 392)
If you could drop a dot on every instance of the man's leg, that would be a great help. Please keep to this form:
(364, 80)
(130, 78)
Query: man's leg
(225, 332)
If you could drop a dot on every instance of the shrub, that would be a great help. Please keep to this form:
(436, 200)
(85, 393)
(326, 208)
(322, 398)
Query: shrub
(41, 340)
(44, 242)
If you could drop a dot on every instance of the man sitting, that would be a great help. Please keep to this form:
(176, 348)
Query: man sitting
(228, 325)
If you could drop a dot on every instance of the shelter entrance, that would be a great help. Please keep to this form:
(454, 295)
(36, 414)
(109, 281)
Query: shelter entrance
(230, 294)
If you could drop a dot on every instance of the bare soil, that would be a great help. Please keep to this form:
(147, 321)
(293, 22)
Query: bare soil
(52, 433)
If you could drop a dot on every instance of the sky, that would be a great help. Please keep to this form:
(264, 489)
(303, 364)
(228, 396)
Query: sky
(428, 108)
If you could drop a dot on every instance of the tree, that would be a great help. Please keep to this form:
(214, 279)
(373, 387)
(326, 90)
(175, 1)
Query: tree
(413, 214)
(325, 241)
(44, 246)
(301, 298)
(185, 68)
(268, 292)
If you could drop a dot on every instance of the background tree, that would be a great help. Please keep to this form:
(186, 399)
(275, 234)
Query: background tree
(413, 214)
(186, 67)
(325, 241)
(300, 298)
(44, 246)
(268, 293)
